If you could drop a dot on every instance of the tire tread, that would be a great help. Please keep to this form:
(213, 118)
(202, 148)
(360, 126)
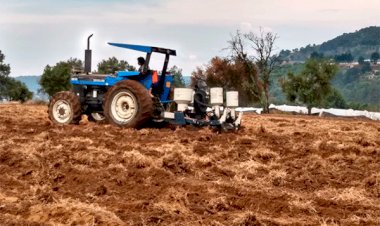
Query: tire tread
(73, 100)
(144, 101)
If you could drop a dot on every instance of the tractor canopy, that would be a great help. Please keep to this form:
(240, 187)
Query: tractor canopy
(145, 49)
(159, 89)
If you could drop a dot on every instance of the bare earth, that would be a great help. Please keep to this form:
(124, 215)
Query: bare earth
(278, 170)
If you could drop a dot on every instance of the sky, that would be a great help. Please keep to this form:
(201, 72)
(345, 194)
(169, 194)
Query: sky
(36, 33)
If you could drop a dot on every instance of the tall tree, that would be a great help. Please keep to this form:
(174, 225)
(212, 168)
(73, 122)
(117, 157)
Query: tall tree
(312, 85)
(176, 72)
(228, 74)
(10, 88)
(112, 65)
(57, 78)
(5, 69)
(263, 60)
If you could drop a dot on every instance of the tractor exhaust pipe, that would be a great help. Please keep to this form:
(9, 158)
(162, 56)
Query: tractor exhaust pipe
(88, 56)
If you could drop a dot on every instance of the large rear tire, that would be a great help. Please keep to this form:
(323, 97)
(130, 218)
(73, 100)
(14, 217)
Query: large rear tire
(65, 108)
(128, 104)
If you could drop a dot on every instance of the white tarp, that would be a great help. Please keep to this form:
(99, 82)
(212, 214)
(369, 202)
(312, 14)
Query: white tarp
(250, 109)
(320, 111)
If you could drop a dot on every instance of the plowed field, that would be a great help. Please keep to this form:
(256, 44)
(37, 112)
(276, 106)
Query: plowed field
(277, 170)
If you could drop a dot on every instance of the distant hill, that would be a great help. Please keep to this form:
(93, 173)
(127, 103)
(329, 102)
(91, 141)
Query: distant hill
(32, 82)
(359, 43)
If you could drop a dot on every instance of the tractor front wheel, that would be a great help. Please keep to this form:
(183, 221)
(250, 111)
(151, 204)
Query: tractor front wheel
(128, 104)
(65, 108)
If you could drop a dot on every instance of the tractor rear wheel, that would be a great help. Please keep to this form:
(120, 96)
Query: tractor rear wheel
(128, 104)
(65, 108)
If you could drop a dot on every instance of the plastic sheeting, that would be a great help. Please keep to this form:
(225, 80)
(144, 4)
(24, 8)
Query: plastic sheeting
(320, 111)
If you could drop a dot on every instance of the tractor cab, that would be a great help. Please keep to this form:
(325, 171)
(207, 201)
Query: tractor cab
(158, 84)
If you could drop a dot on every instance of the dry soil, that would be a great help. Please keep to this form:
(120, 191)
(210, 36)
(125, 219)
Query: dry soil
(277, 170)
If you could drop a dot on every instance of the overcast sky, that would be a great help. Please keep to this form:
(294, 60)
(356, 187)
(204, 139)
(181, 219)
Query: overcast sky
(40, 32)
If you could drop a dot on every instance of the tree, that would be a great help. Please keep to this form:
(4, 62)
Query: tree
(335, 100)
(316, 55)
(263, 61)
(230, 75)
(375, 56)
(10, 88)
(312, 85)
(76, 64)
(18, 91)
(344, 57)
(361, 60)
(112, 65)
(5, 69)
(285, 54)
(177, 77)
(57, 78)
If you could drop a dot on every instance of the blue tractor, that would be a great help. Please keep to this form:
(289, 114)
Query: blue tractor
(131, 98)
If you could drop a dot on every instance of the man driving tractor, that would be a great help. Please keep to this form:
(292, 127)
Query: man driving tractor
(141, 63)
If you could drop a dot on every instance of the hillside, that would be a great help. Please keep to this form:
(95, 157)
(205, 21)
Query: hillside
(359, 43)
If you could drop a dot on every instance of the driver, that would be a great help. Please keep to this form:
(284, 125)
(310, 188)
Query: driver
(141, 63)
(143, 71)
